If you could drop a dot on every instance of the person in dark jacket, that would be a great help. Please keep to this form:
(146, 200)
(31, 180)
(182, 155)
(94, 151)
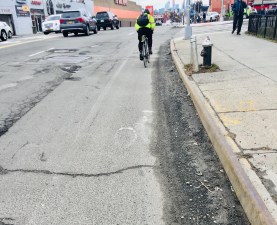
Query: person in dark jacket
(238, 10)
(204, 17)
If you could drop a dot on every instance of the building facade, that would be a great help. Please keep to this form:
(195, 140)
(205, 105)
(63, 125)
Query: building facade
(26, 16)
(261, 5)
(215, 5)
(125, 10)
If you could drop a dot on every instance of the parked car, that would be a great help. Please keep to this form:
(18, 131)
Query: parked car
(77, 21)
(106, 19)
(51, 24)
(212, 16)
(5, 31)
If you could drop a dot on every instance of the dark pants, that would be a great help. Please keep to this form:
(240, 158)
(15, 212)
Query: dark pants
(238, 19)
(148, 33)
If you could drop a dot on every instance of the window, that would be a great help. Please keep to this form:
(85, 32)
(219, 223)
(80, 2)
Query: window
(53, 18)
(102, 15)
(73, 14)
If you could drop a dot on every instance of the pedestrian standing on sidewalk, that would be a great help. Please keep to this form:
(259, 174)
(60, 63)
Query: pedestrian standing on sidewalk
(238, 10)
(204, 17)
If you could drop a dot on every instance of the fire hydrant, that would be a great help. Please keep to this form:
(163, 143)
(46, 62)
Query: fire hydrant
(206, 53)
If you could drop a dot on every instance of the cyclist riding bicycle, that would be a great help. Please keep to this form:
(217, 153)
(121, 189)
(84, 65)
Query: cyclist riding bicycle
(145, 25)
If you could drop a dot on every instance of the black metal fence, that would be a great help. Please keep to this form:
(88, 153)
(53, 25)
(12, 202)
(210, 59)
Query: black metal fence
(263, 25)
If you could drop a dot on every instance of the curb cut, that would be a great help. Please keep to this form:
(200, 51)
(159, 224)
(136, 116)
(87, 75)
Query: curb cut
(225, 147)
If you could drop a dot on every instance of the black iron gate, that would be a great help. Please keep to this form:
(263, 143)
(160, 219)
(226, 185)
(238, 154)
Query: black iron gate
(263, 25)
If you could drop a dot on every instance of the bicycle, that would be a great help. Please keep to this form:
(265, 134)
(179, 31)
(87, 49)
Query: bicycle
(145, 50)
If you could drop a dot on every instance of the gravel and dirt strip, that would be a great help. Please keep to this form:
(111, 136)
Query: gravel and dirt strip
(195, 186)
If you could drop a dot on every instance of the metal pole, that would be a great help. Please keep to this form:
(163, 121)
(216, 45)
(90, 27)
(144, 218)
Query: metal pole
(194, 55)
(221, 14)
(188, 30)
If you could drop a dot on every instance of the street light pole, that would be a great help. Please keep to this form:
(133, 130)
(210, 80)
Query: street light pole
(188, 29)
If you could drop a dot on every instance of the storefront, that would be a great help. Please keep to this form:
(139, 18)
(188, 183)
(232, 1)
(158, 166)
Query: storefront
(263, 5)
(37, 15)
(6, 16)
(27, 16)
(58, 6)
(16, 13)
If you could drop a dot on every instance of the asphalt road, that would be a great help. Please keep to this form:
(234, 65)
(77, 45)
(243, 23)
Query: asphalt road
(89, 136)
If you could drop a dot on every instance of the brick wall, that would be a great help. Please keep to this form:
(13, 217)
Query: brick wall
(216, 5)
(131, 11)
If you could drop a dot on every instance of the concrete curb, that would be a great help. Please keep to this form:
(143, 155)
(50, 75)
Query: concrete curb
(225, 147)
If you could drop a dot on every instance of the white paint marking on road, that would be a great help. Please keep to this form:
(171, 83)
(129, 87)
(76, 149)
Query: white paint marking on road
(148, 112)
(5, 86)
(36, 53)
(131, 33)
(126, 136)
(93, 46)
(12, 44)
(144, 127)
(40, 52)
(9, 41)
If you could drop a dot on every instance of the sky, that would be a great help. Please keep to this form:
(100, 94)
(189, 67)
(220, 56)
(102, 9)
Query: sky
(157, 3)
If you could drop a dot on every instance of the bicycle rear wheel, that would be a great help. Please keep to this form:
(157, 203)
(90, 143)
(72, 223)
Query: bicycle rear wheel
(147, 52)
(144, 52)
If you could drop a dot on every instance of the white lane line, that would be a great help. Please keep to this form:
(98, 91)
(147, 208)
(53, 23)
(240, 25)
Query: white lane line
(36, 53)
(21, 42)
(40, 52)
(131, 33)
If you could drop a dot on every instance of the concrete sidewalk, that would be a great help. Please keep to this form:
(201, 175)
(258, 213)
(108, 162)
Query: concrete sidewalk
(238, 108)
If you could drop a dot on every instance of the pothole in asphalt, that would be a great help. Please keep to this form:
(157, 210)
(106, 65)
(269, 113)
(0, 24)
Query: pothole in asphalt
(63, 50)
(73, 78)
(84, 53)
(70, 69)
(67, 59)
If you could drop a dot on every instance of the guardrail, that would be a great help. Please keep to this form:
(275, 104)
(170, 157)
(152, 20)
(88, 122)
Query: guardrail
(263, 25)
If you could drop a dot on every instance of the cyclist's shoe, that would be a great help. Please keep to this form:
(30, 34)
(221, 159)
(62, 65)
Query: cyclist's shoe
(150, 51)
(140, 56)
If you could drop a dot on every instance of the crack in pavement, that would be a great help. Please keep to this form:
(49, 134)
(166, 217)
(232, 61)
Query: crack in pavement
(243, 111)
(3, 221)
(4, 171)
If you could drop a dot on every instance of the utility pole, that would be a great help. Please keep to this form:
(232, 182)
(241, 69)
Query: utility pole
(188, 29)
